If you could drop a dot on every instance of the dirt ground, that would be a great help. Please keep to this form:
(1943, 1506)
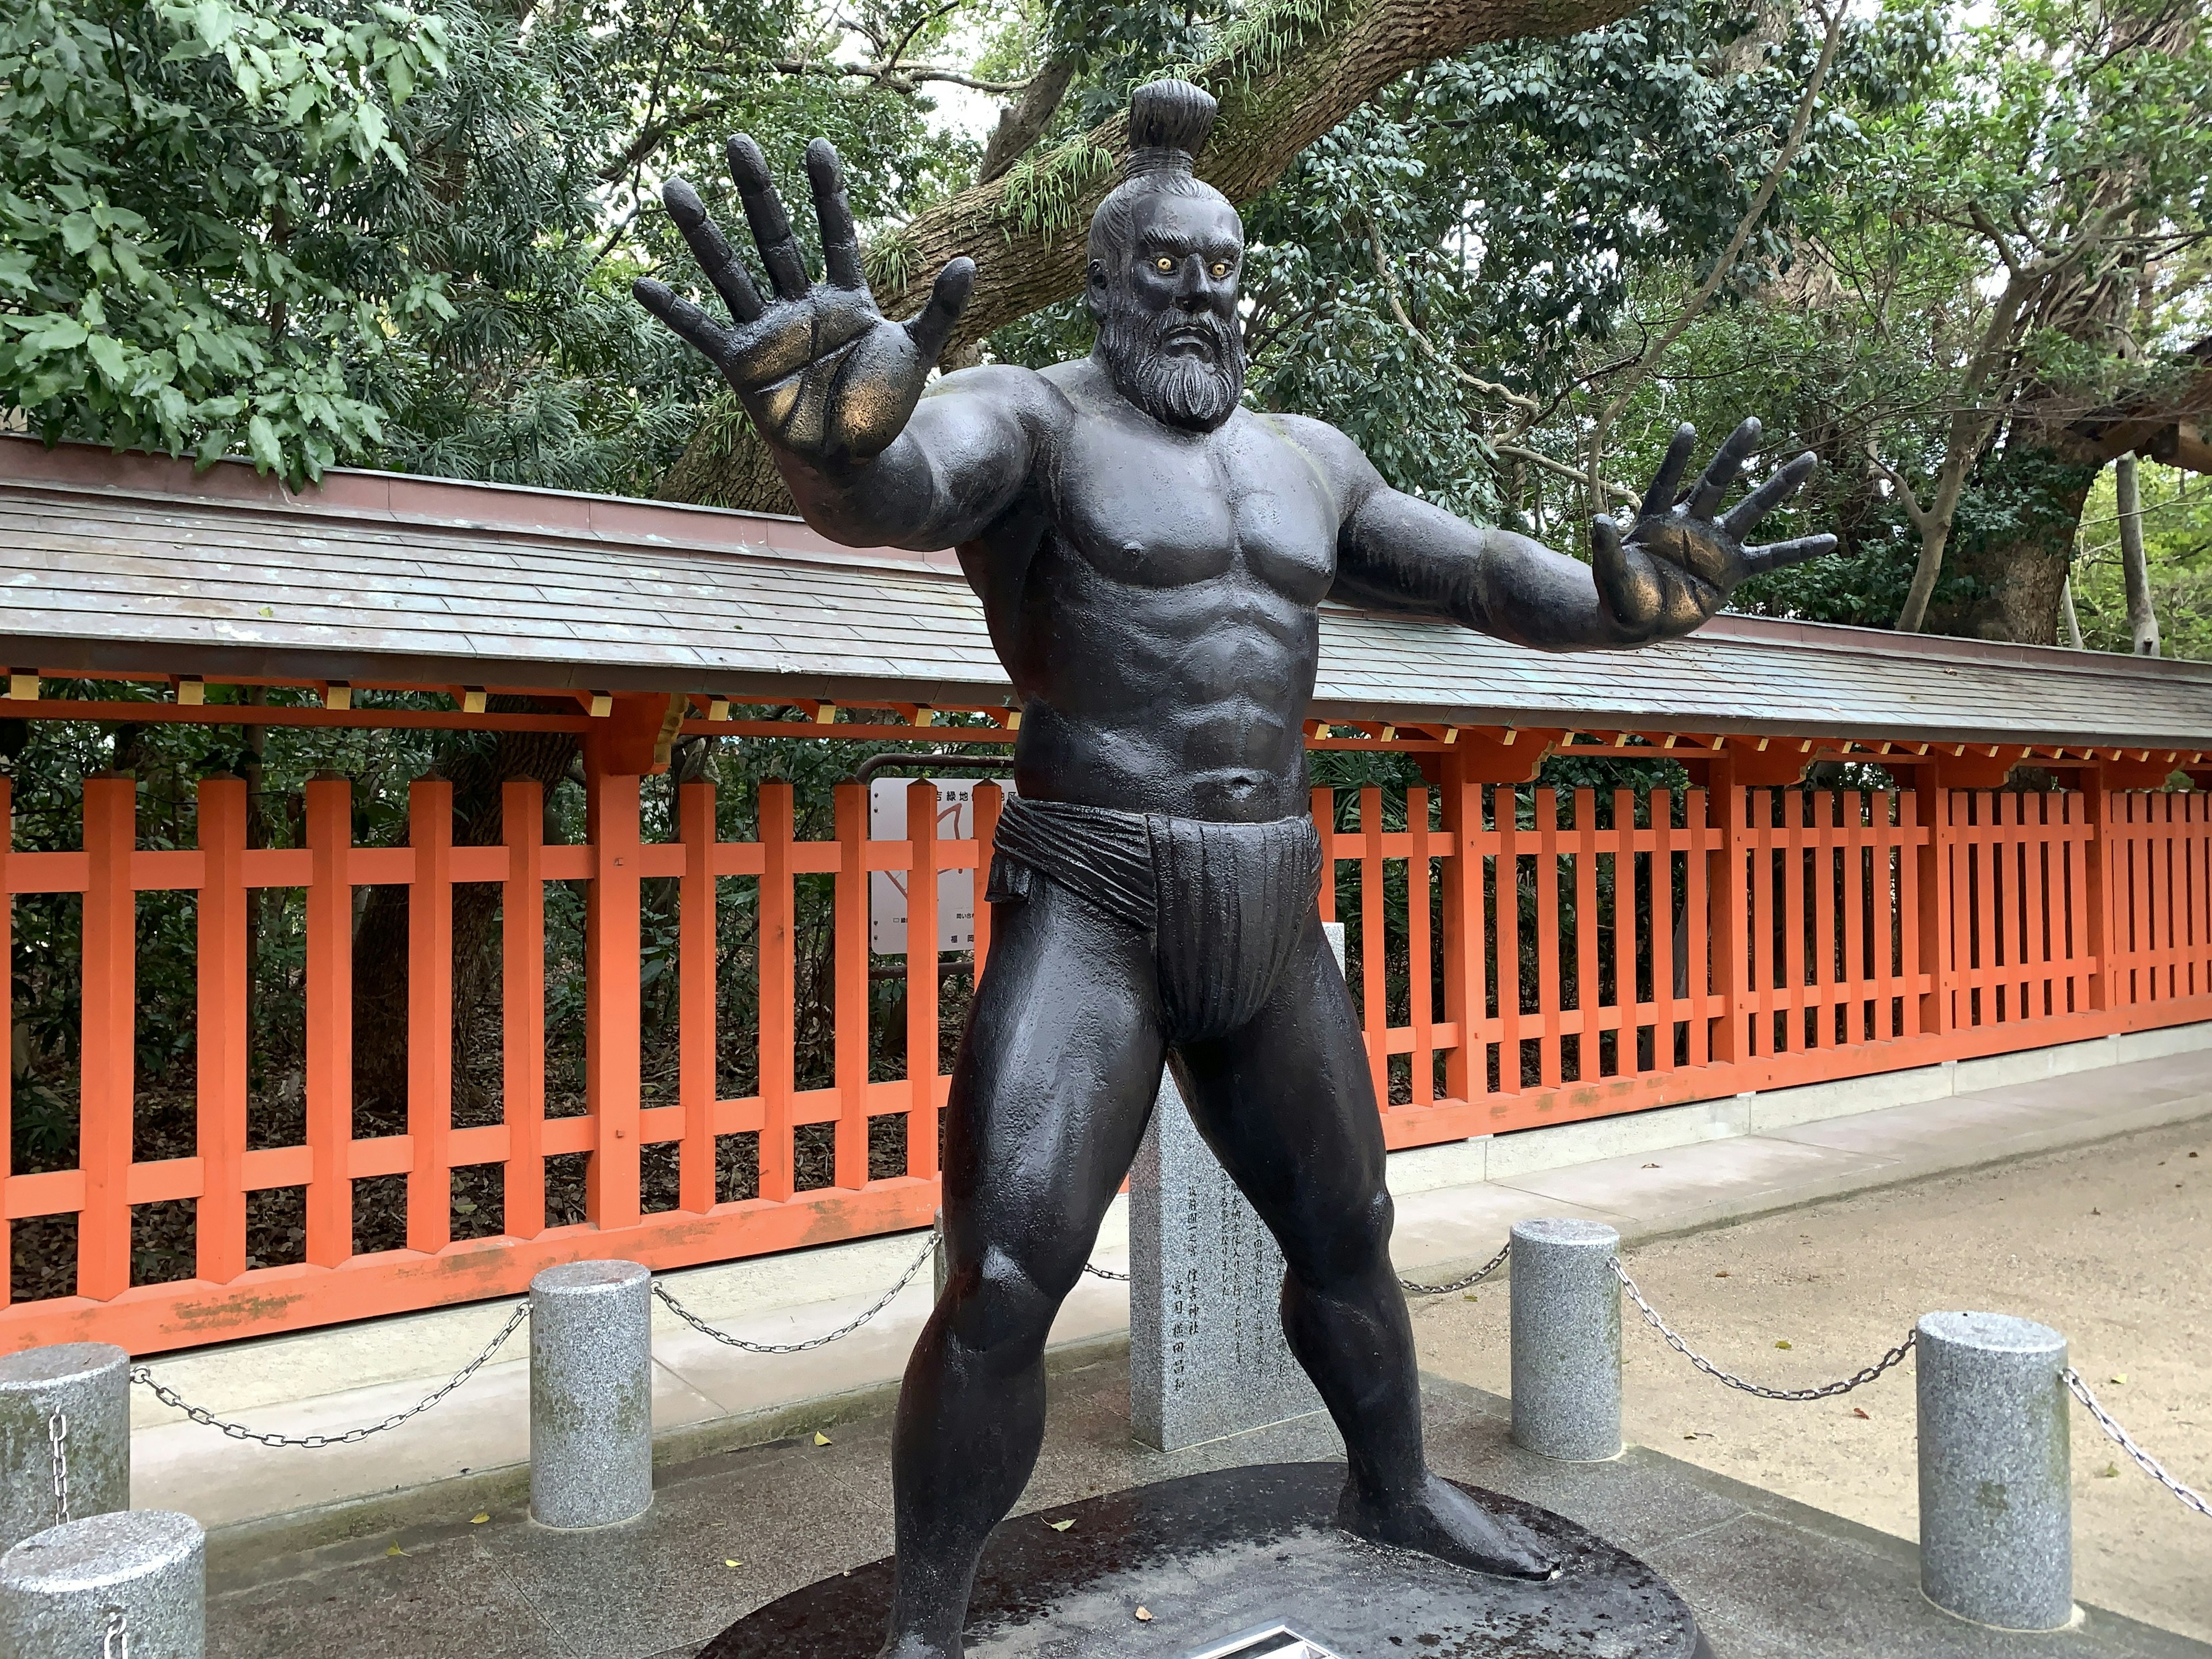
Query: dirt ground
(2109, 1244)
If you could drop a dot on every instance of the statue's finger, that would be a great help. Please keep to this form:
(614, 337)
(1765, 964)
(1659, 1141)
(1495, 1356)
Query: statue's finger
(686, 319)
(1629, 593)
(1779, 555)
(1727, 462)
(948, 296)
(841, 243)
(1668, 478)
(1769, 495)
(779, 248)
(712, 250)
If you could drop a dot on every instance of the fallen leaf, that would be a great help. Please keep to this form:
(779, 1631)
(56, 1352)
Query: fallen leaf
(478, 1520)
(820, 1438)
(1143, 1615)
(1060, 1526)
(395, 1550)
(1783, 1343)
(1722, 1274)
(1470, 1297)
(1689, 1436)
(1652, 1166)
(728, 1563)
(2121, 1380)
(2110, 1472)
(1857, 1412)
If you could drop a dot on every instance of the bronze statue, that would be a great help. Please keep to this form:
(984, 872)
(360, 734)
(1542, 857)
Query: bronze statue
(1149, 555)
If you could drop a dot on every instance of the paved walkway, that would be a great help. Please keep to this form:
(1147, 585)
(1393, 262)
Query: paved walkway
(1768, 1578)
(1650, 1175)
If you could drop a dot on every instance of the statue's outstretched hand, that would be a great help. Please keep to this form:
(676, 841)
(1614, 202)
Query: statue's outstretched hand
(823, 372)
(1678, 564)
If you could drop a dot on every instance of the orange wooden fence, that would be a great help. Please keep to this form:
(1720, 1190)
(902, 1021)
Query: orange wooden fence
(1556, 957)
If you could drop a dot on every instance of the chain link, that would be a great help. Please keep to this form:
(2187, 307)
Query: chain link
(2141, 1459)
(812, 1342)
(206, 1418)
(115, 1644)
(1474, 1278)
(1105, 1272)
(1825, 1391)
(57, 1445)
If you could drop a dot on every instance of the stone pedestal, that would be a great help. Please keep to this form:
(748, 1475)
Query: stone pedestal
(81, 1393)
(591, 1394)
(134, 1584)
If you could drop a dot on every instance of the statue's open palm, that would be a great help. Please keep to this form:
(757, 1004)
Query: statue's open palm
(1678, 564)
(823, 372)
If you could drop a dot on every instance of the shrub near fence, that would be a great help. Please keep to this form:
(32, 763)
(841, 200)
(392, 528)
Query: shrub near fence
(1651, 945)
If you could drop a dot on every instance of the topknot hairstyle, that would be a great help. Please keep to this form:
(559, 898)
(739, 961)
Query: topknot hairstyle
(1169, 121)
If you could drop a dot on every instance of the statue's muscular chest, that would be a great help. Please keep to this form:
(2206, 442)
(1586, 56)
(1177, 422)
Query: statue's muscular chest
(1149, 509)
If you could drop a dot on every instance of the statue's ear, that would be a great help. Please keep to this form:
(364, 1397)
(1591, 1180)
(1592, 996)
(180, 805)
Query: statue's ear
(1094, 287)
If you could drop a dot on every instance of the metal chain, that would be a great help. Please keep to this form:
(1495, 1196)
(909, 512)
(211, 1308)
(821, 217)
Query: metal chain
(57, 1443)
(1474, 1278)
(1826, 1391)
(843, 1330)
(206, 1418)
(115, 1644)
(2141, 1459)
(1105, 1272)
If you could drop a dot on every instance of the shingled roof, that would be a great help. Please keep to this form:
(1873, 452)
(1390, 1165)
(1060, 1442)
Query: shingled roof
(128, 565)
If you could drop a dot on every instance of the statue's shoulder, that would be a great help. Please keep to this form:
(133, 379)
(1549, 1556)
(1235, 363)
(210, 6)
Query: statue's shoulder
(1026, 393)
(1348, 473)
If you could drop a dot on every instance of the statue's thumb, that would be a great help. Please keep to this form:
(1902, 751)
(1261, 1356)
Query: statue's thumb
(948, 296)
(1616, 585)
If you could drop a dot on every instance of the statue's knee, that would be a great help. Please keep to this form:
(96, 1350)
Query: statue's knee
(997, 1304)
(1352, 1248)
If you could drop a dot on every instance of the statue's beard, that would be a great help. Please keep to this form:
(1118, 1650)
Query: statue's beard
(1195, 388)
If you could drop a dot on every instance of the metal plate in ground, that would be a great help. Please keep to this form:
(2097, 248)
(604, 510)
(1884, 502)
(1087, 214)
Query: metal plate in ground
(1210, 1555)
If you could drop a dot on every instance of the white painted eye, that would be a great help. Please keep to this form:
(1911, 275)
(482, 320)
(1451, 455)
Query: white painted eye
(1220, 268)
(1163, 263)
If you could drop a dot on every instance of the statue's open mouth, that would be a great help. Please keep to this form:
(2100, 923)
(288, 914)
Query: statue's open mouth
(1190, 343)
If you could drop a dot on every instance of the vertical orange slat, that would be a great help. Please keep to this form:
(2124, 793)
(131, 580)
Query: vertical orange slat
(852, 1034)
(1374, 998)
(522, 998)
(1322, 804)
(1828, 988)
(1547, 936)
(1505, 814)
(1856, 838)
(1926, 916)
(1727, 930)
(613, 1025)
(330, 1019)
(1465, 1074)
(696, 988)
(921, 981)
(1764, 957)
(8, 999)
(430, 1014)
(1623, 934)
(1420, 950)
(219, 1225)
(779, 1002)
(1585, 856)
(2035, 888)
(987, 800)
(110, 1010)
(1984, 810)
(1882, 891)
(1662, 933)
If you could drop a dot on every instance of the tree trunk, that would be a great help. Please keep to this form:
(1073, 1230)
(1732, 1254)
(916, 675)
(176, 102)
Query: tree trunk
(2143, 620)
(380, 945)
(1289, 71)
(2013, 542)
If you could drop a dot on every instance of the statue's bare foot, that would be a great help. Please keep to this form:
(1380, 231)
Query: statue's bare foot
(1441, 1520)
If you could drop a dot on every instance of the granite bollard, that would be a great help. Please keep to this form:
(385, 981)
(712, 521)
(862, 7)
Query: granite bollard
(77, 1394)
(1996, 1520)
(133, 1582)
(591, 1394)
(1566, 1340)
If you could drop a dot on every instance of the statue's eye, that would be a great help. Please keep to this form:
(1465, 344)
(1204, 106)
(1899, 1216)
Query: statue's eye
(1220, 268)
(1163, 263)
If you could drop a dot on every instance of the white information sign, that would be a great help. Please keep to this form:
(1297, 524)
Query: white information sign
(956, 889)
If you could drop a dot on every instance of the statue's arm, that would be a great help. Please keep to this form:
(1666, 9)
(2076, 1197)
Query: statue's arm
(971, 446)
(1673, 569)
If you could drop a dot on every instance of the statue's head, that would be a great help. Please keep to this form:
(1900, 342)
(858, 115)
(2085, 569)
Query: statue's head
(1165, 256)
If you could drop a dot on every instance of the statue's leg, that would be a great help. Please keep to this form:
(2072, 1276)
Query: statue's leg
(1051, 1095)
(1287, 1105)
